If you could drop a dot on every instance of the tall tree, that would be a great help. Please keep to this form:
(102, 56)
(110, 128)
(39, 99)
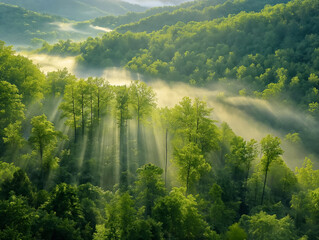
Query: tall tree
(191, 122)
(270, 147)
(56, 82)
(100, 95)
(83, 98)
(123, 114)
(142, 100)
(70, 107)
(43, 138)
(11, 108)
(191, 164)
(149, 186)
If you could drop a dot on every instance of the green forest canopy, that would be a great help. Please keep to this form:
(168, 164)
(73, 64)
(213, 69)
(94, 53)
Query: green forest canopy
(83, 159)
(273, 52)
(74, 184)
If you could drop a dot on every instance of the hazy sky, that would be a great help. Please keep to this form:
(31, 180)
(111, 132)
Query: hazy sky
(156, 3)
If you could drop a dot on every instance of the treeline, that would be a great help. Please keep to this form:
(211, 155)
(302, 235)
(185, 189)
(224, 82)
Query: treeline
(23, 27)
(199, 12)
(116, 21)
(81, 10)
(272, 52)
(114, 166)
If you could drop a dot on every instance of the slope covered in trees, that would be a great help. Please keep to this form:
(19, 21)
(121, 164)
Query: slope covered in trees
(77, 10)
(83, 159)
(200, 11)
(20, 26)
(115, 21)
(272, 52)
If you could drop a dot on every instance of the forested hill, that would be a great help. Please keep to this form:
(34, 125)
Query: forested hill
(115, 21)
(77, 9)
(274, 52)
(200, 11)
(24, 27)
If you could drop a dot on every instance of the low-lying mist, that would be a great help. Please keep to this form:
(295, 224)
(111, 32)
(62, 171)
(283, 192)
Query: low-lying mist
(247, 116)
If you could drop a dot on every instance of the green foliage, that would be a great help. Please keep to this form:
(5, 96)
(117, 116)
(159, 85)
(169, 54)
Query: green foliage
(180, 218)
(270, 147)
(308, 178)
(263, 226)
(16, 218)
(235, 232)
(78, 10)
(64, 202)
(142, 99)
(191, 164)
(11, 113)
(260, 49)
(19, 185)
(57, 81)
(6, 171)
(44, 139)
(24, 77)
(149, 186)
(198, 11)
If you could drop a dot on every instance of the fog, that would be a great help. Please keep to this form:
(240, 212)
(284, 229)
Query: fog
(248, 117)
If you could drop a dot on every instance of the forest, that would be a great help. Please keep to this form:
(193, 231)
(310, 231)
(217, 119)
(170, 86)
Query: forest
(83, 158)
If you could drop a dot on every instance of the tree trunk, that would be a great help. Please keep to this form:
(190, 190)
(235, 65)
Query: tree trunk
(91, 112)
(74, 117)
(123, 155)
(98, 105)
(262, 196)
(187, 179)
(166, 157)
(41, 165)
(82, 113)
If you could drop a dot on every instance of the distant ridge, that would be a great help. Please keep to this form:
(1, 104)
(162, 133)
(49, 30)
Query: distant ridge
(78, 9)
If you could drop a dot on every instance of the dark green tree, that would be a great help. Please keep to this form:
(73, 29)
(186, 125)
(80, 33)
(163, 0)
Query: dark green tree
(270, 147)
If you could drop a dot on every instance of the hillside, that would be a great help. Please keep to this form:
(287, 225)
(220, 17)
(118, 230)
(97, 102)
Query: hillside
(77, 9)
(24, 27)
(193, 122)
(132, 17)
(198, 12)
(273, 52)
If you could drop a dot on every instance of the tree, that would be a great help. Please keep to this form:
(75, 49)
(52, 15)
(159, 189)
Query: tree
(56, 82)
(235, 232)
(20, 185)
(165, 116)
(191, 122)
(180, 217)
(143, 101)
(21, 72)
(43, 139)
(308, 178)
(82, 91)
(13, 139)
(270, 147)
(226, 136)
(100, 95)
(149, 186)
(120, 216)
(123, 114)
(11, 108)
(191, 164)
(65, 203)
(16, 218)
(70, 107)
(239, 162)
(262, 226)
